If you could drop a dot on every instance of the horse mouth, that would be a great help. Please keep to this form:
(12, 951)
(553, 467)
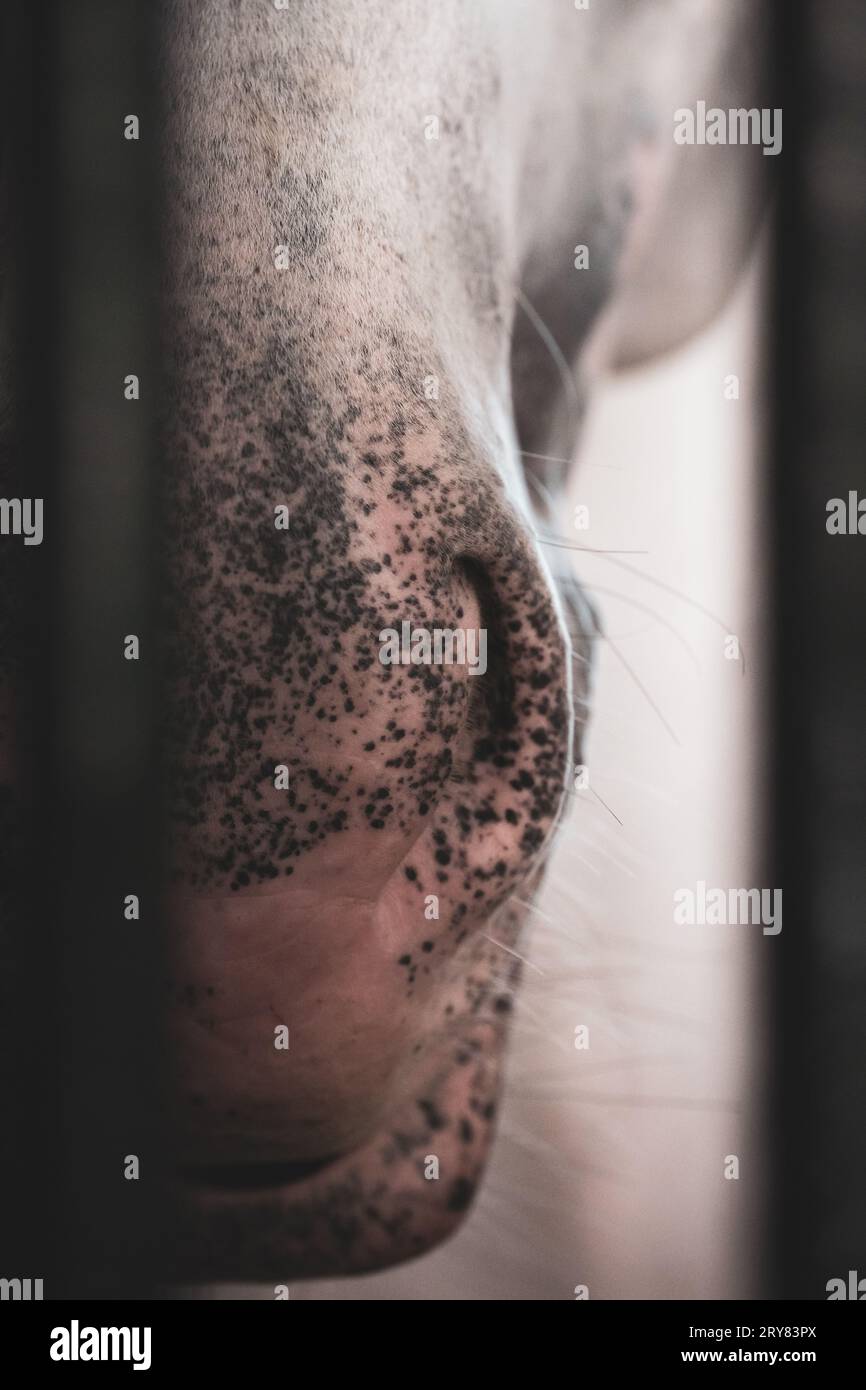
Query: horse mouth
(253, 1177)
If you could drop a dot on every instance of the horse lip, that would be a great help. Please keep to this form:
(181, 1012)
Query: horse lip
(254, 1177)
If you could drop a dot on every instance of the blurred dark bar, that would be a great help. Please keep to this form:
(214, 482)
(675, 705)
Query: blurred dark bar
(818, 1124)
(84, 1100)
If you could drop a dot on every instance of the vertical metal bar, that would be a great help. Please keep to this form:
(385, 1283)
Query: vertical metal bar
(818, 1222)
(31, 1151)
(88, 222)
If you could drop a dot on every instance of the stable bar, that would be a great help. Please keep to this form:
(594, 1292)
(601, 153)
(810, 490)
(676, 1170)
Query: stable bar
(86, 202)
(818, 1126)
